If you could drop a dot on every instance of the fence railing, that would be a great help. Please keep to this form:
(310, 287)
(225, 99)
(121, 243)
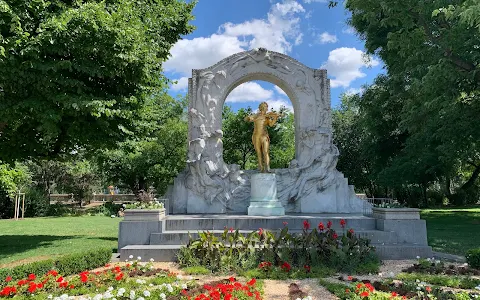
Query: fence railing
(379, 202)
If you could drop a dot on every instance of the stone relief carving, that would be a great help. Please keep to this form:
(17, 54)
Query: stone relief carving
(211, 179)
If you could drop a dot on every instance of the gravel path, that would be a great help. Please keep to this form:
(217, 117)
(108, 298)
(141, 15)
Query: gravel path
(278, 289)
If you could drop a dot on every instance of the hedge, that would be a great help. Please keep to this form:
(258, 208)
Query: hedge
(66, 265)
(473, 258)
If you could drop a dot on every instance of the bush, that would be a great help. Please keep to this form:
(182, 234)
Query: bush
(473, 258)
(66, 265)
(36, 203)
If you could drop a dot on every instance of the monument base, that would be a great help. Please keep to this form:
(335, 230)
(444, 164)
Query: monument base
(264, 200)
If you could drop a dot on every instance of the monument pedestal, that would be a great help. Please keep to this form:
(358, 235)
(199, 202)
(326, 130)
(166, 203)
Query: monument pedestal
(263, 201)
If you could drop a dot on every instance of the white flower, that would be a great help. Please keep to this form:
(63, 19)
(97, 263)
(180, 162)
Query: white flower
(418, 257)
(113, 216)
(140, 298)
(110, 289)
(163, 296)
(139, 257)
(477, 287)
(428, 259)
(152, 260)
(121, 290)
(146, 293)
(64, 296)
(437, 261)
(179, 276)
(130, 256)
(50, 296)
(189, 278)
(417, 281)
(169, 288)
(380, 274)
(151, 284)
(98, 297)
(184, 286)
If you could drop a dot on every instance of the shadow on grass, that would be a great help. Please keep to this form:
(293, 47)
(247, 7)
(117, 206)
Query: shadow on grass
(14, 244)
(105, 238)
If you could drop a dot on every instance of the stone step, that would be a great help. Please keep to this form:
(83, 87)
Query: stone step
(146, 252)
(167, 253)
(181, 237)
(295, 222)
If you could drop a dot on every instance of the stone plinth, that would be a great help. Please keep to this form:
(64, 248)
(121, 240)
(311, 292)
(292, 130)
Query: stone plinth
(144, 214)
(263, 201)
(396, 213)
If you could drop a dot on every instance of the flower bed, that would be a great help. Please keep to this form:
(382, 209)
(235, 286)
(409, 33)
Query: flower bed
(312, 247)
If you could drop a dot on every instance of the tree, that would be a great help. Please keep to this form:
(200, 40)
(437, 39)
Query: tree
(12, 179)
(153, 162)
(428, 51)
(78, 75)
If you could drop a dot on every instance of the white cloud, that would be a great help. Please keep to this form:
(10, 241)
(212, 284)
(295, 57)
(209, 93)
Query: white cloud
(278, 32)
(312, 1)
(326, 38)
(353, 91)
(276, 104)
(344, 65)
(349, 30)
(249, 91)
(280, 91)
(181, 85)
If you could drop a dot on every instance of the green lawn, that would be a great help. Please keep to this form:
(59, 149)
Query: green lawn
(453, 230)
(40, 238)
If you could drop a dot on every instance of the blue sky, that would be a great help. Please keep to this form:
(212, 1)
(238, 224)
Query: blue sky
(307, 30)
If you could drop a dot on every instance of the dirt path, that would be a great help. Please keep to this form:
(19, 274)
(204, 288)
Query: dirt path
(278, 289)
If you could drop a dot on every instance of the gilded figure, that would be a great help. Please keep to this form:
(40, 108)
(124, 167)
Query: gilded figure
(260, 138)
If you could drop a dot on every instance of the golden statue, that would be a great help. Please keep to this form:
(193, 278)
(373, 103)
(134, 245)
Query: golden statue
(260, 138)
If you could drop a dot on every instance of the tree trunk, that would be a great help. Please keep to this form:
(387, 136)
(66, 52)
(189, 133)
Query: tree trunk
(472, 179)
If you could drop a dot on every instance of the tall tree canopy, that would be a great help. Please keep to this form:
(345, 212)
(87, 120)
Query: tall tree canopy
(421, 119)
(79, 75)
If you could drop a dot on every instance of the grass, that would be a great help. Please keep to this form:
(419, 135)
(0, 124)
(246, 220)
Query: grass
(453, 231)
(41, 238)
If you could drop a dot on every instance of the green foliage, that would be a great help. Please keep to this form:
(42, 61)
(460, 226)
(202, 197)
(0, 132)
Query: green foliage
(12, 180)
(338, 289)
(235, 251)
(66, 265)
(196, 270)
(153, 162)
(443, 280)
(416, 125)
(78, 75)
(295, 273)
(473, 258)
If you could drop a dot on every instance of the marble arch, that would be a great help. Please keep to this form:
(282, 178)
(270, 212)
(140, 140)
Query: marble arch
(310, 184)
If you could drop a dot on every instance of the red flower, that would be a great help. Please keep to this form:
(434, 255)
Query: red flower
(22, 282)
(72, 286)
(394, 294)
(306, 225)
(335, 235)
(252, 282)
(8, 279)
(60, 279)
(351, 231)
(370, 287)
(428, 289)
(320, 226)
(231, 229)
(286, 267)
(184, 292)
(52, 272)
(119, 277)
(32, 288)
(32, 277)
(342, 223)
(349, 278)
(307, 268)
(329, 224)
(40, 285)
(8, 290)
(285, 223)
(347, 291)
(231, 279)
(63, 284)
(364, 294)
(107, 265)
(260, 231)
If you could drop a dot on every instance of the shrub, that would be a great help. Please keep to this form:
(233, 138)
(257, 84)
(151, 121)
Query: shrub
(473, 258)
(66, 265)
